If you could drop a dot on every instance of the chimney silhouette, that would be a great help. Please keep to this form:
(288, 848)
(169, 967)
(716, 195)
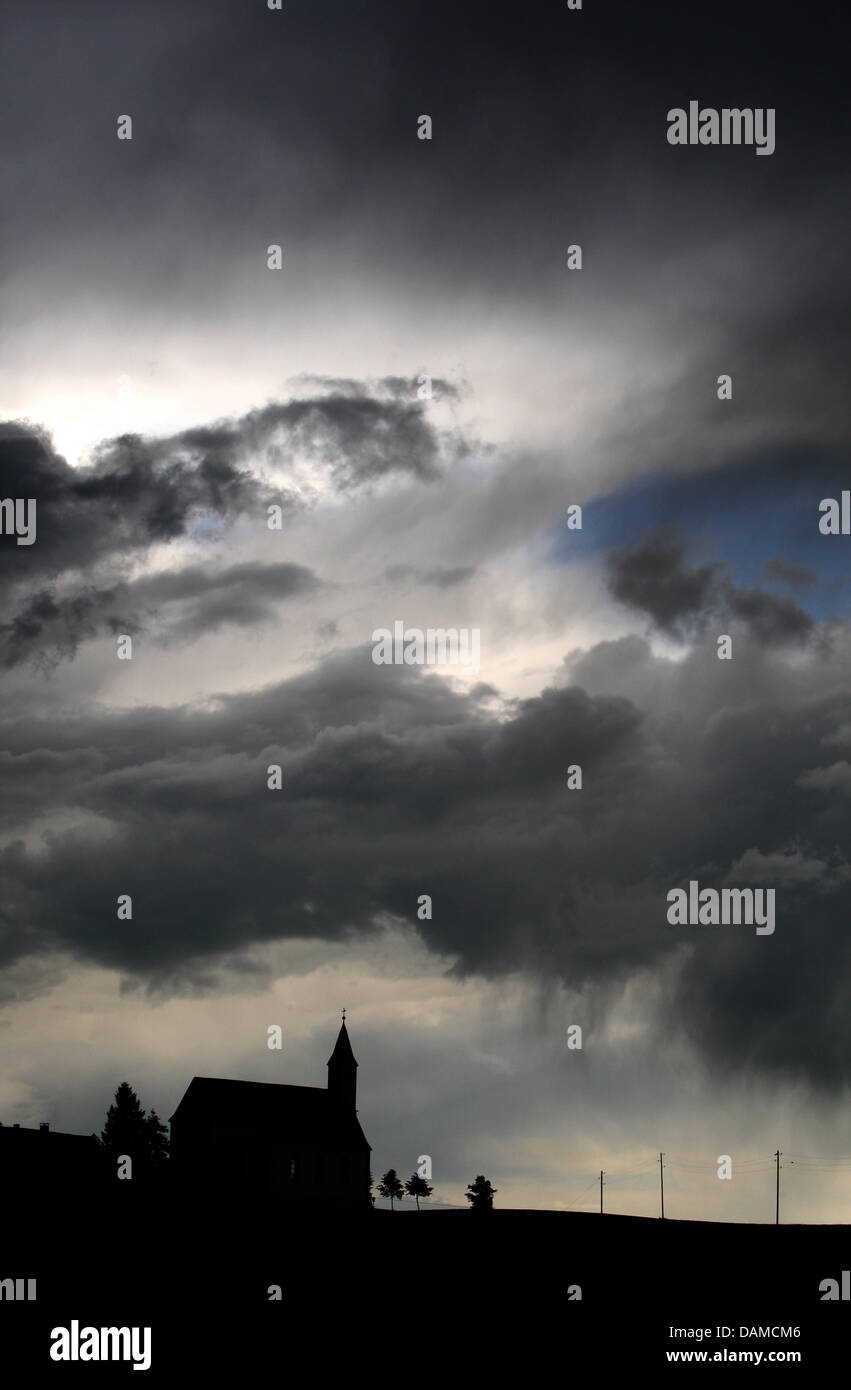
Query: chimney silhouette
(342, 1072)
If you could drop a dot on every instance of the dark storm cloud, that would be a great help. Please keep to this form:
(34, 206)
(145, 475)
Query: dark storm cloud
(440, 578)
(784, 571)
(358, 431)
(394, 785)
(139, 492)
(300, 127)
(187, 604)
(746, 1010)
(339, 81)
(769, 618)
(654, 577)
(305, 120)
(360, 439)
(135, 494)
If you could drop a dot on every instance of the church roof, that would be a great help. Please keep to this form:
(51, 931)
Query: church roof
(342, 1048)
(294, 1112)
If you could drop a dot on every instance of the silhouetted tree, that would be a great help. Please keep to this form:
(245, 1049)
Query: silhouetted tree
(391, 1187)
(157, 1141)
(480, 1194)
(124, 1131)
(128, 1130)
(418, 1187)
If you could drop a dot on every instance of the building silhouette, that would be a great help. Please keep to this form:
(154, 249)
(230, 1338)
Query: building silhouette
(37, 1161)
(298, 1145)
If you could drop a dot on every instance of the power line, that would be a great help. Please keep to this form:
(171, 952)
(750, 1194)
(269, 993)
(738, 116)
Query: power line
(691, 1166)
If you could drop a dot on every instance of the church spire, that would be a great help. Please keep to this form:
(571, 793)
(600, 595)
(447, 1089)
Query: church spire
(342, 1070)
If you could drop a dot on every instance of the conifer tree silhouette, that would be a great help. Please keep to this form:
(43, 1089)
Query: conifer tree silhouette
(156, 1134)
(128, 1130)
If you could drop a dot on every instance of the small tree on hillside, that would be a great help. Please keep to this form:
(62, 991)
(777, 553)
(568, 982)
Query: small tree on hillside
(390, 1187)
(480, 1194)
(418, 1187)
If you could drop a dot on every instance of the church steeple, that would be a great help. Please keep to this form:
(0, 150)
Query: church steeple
(342, 1070)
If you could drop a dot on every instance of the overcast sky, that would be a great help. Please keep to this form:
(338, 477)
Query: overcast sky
(161, 388)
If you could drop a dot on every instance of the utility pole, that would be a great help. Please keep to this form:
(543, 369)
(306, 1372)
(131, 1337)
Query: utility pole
(662, 1183)
(777, 1209)
(601, 1192)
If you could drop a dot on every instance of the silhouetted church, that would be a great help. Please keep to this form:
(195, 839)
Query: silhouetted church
(298, 1144)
